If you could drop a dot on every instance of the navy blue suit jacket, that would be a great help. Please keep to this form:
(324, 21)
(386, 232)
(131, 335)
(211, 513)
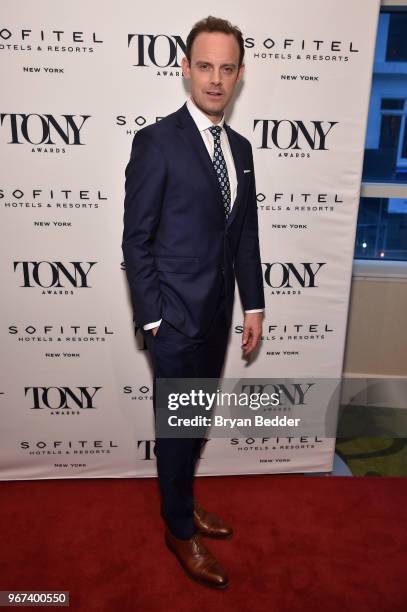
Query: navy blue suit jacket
(178, 246)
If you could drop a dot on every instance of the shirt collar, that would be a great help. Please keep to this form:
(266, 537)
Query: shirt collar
(201, 120)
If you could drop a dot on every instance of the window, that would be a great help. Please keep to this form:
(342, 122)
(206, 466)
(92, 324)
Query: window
(382, 219)
(382, 229)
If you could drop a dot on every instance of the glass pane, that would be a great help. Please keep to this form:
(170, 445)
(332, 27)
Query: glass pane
(389, 131)
(404, 148)
(397, 40)
(385, 157)
(382, 229)
(393, 103)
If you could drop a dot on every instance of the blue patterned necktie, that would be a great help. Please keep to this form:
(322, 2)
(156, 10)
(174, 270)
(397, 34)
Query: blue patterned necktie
(219, 164)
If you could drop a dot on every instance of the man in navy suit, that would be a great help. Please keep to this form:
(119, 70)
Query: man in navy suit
(190, 230)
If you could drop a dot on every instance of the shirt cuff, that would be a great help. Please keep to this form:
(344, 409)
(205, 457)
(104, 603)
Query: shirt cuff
(151, 325)
(256, 310)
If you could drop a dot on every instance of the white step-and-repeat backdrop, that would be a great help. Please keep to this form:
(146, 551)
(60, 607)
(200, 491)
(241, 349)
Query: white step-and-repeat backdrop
(78, 80)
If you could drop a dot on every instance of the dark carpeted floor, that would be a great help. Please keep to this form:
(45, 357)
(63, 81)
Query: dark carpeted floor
(301, 543)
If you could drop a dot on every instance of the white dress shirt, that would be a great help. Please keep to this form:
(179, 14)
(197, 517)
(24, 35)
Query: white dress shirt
(203, 123)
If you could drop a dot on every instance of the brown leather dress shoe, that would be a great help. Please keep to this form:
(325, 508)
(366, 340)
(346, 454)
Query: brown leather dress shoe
(197, 561)
(210, 525)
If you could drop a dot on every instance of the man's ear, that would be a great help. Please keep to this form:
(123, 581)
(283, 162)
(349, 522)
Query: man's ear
(186, 69)
(240, 72)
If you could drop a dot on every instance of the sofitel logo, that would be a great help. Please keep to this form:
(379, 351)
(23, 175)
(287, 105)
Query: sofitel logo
(23, 197)
(291, 49)
(48, 41)
(58, 398)
(299, 45)
(160, 50)
(278, 274)
(48, 36)
(46, 274)
(46, 129)
(286, 134)
(276, 443)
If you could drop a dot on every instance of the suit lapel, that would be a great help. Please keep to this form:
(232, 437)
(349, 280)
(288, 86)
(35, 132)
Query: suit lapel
(192, 138)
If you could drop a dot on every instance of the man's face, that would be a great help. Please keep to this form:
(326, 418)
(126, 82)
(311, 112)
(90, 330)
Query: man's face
(213, 72)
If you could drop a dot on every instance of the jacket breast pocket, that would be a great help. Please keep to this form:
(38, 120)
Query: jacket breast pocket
(178, 265)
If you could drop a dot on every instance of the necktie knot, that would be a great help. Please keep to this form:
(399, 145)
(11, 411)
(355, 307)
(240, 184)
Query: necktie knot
(215, 131)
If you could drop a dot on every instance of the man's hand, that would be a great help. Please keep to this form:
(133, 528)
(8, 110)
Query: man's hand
(154, 330)
(252, 331)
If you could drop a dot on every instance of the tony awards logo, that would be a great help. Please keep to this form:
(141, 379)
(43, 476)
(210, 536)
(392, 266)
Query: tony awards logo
(53, 277)
(42, 129)
(61, 398)
(293, 135)
(291, 277)
(162, 51)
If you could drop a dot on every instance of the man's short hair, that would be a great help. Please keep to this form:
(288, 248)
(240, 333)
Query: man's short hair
(215, 24)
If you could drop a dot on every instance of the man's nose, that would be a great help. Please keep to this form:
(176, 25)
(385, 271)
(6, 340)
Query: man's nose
(216, 76)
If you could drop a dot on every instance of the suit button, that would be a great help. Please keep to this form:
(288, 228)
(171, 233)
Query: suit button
(222, 269)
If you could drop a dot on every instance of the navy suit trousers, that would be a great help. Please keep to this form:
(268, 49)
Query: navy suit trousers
(175, 355)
